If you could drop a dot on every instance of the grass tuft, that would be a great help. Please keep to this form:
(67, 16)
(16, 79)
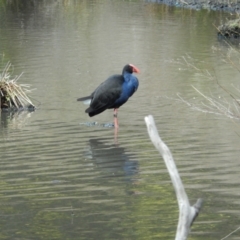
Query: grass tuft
(13, 96)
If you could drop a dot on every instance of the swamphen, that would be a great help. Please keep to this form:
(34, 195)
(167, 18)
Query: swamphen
(113, 93)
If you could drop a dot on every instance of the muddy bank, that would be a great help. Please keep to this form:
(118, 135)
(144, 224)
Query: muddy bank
(230, 29)
(198, 5)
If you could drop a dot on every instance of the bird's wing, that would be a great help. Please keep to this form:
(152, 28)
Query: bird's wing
(106, 94)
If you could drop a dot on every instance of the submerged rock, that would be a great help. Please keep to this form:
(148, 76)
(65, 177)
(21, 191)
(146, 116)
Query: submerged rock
(89, 124)
(109, 125)
(93, 124)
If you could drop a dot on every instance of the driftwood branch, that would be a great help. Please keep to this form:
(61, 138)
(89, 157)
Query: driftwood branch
(187, 213)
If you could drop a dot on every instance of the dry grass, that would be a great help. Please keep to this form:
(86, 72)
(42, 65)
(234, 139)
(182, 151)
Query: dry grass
(228, 106)
(13, 95)
(230, 29)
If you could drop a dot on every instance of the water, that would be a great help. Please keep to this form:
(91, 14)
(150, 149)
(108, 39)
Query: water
(63, 179)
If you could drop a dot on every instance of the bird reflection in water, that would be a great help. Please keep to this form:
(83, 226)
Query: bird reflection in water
(111, 158)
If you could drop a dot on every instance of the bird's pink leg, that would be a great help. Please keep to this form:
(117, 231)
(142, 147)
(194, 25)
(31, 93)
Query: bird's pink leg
(115, 118)
(115, 135)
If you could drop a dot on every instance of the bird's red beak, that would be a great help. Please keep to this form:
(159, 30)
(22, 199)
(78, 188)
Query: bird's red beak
(135, 69)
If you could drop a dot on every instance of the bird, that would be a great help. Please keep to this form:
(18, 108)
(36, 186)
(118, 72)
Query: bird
(113, 92)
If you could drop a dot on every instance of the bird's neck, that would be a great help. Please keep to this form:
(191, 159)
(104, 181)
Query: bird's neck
(127, 76)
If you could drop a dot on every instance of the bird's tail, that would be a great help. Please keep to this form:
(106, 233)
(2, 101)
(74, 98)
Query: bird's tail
(84, 98)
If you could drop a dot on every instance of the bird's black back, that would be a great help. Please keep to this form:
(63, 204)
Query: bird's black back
(105, 95)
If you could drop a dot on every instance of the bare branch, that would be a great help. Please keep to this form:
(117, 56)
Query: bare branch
(187, 213)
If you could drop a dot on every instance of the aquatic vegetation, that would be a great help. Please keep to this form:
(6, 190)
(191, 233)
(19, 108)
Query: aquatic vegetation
(13, 96)
(230, 29)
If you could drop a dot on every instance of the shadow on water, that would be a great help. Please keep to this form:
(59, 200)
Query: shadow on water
(111, 158)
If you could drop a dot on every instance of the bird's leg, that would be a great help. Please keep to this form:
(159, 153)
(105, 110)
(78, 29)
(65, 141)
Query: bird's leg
(115, 118)
(115, 135)
(115, 112)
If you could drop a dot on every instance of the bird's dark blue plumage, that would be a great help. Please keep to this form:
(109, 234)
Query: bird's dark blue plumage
(129, 86)
(114, 92)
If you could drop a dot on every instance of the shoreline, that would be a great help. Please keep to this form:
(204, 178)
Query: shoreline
(200, 5)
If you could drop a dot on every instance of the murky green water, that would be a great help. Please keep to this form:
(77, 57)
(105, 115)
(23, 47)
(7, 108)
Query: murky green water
(61, 179)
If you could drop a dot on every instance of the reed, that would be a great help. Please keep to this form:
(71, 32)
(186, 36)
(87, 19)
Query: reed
(228, 104)
(13, 96)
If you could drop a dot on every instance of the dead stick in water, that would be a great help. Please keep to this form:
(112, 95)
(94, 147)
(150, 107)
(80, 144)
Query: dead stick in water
(187, 213)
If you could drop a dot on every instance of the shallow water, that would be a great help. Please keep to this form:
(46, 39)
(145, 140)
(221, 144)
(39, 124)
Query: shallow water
(63, 179)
